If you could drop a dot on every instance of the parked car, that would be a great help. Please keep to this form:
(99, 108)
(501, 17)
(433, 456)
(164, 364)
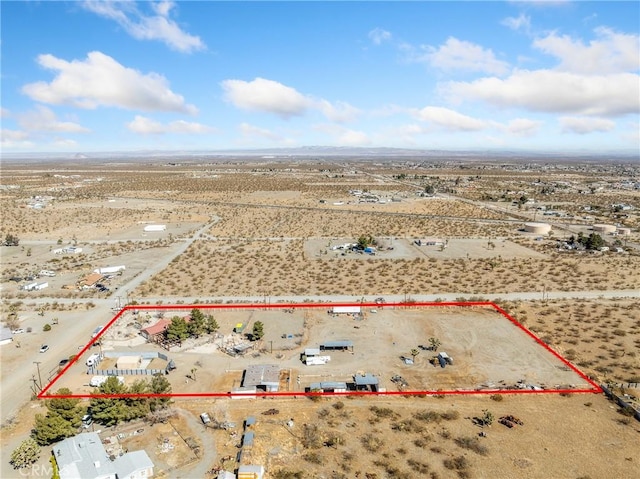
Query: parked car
(44, 348)
(18, 331)
(205, 418)
(63, 363)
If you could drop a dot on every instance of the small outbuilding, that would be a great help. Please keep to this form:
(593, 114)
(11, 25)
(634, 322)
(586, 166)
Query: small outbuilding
(342, 345)
(366, 382)
(329, 387)
(250, 472)
(262, 376)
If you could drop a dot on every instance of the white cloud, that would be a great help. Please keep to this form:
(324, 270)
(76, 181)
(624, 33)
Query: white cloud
(64, 143)
(378, 35)
(585, 125)
(611, 52)
(147, 126)
(4, 113)
(449, 119)
(457, 54)
(252, 131)
(552, 91)
(101, 81)
(523, 127)
(516, 23)
(43, 119)
(14, 135)
(344, 136)
(266, 95)
(340, 112)
(286, 102)
(15, 139)
(147, 27)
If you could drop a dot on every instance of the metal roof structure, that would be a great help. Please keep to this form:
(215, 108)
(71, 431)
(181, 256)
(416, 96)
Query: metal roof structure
(343, 344)
(346, 309)
(262, 375)
(328, 385)
(366, 380)
(247, 439)
(312, 352)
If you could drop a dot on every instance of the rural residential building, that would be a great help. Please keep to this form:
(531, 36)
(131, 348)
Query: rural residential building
(84, 457)
(90, 280)
(262, 376)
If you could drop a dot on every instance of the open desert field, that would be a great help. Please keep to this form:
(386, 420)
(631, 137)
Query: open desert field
(241, 228)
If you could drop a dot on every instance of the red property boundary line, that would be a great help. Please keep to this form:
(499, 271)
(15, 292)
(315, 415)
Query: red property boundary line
(176, 307)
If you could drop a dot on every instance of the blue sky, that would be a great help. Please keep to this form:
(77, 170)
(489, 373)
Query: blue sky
(122, 76)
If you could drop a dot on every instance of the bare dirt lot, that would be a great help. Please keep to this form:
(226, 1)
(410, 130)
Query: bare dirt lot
(488, 351)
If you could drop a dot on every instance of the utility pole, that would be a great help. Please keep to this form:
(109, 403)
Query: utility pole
(37, 363)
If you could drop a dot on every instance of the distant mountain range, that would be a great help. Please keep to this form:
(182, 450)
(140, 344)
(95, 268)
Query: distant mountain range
(333, 151)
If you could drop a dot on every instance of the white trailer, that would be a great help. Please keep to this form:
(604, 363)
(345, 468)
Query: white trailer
(40, 286)
(346, 310)
(109, 269)
(317, 360)
(155, 228)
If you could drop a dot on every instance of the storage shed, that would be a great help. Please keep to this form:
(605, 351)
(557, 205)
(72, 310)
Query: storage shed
(342, 345)
(250, 472)
(366, 382)
(329, 387)
(262, 376)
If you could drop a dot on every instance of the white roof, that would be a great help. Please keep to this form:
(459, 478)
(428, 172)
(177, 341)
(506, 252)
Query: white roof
(346, 309)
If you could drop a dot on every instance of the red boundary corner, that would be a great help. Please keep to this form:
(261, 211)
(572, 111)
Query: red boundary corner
(596, 389)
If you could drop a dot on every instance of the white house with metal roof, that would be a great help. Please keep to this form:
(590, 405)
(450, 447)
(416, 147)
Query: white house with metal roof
(84, 457)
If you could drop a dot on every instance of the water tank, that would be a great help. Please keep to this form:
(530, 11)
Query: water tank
(537, 228)
(600, 228)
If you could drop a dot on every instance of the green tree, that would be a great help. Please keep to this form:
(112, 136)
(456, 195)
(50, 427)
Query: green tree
(594, 241)
(137, 407)
(258, 331)
(159, 385)
(177, 329)
(27, 453)
(487, 417)
(365, 241)
(108, 410)
(197, 326)
(211, 324)
(429, 189)
(51, 428)
(68, 409)
(11, 240)
(434, 343)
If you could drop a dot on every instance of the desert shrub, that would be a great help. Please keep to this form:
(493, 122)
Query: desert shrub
(450, 415)
(338, 406)
(286, 474)
(312, 457)
(46, 327)
(311, 436)
(372, 443)
(497, 397)
(459, 463)
(472, 444)
(427, 416)
(417, 466)
(383, 412)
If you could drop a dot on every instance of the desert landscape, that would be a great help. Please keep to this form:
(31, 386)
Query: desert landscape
(234, 231)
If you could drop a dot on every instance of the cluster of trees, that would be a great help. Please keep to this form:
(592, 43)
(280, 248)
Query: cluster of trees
(592, 242)
(62, 419)
(365, 241)
(11, 240)
(111, 411)
(179, 329)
